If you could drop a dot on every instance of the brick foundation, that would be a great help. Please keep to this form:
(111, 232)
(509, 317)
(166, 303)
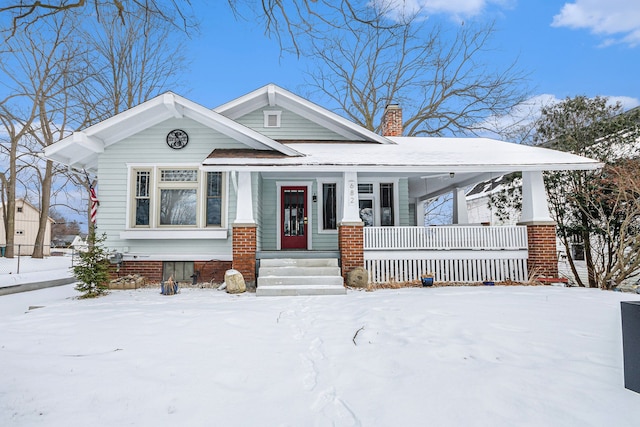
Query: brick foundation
(244, 251)
(151, 270)
(351, 246)
(212, 270)
(543, 255)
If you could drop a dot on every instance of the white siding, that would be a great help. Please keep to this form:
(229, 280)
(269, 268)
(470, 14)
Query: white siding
(26, 223)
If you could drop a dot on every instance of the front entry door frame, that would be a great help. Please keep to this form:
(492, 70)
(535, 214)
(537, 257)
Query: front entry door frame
(310, 224)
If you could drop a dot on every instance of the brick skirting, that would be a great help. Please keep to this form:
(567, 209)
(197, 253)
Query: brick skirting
(211, 270)
(244, 251)
(543, 255)
(351, 245)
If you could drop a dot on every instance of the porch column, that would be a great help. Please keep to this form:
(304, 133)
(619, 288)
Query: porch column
(460, 213)
(350, 229)
(244, 230)
(541, 228)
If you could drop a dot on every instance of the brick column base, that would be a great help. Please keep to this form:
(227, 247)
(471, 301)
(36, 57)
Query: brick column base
(351, 246)
(244, 251)
(543, 255)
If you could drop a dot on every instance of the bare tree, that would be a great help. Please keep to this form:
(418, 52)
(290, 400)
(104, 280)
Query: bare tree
(130, 64)
(581, 201)
(41, 66)
(616, 213)
(24, 14)
(287, 21)
(438, 75)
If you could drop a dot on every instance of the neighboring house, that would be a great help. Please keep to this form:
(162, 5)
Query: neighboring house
(479, 206)
(27, 219)
(188, 190)
(63, 241)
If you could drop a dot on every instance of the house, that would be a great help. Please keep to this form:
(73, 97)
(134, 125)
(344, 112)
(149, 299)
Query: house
(27, 218)
(190, 191)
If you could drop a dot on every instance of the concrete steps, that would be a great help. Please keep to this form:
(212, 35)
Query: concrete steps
(289, 277)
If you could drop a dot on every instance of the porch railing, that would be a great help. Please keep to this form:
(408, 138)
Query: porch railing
(451, 253)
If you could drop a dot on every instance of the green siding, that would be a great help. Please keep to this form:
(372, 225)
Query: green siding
(292, 126)
(149, 147)
(403, 199)
(326, 241)
(268, 198)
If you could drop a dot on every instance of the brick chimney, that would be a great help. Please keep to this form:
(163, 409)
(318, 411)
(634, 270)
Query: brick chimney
(392, 120)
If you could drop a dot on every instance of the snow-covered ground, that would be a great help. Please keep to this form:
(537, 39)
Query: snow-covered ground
(33, 270)
(459, 356)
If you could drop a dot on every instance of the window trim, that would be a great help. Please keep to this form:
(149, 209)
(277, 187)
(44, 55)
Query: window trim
(268, 113)
(320, 204)
(154, 229)
(376, 197)
(177, 185)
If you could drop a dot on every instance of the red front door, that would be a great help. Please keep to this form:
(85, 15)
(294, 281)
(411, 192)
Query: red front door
(294, 217)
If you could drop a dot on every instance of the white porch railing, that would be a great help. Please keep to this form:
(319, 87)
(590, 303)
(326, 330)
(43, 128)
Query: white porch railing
(452, 253)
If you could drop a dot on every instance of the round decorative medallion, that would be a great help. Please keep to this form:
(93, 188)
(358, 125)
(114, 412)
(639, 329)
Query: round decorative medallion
(177, 139)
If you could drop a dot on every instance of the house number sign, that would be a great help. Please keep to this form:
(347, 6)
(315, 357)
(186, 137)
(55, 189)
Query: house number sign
(352, 192)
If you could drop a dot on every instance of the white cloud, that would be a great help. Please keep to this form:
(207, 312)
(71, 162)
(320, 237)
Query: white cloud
(626, 101)
(524, 115)
(620, 18)
(455, 8)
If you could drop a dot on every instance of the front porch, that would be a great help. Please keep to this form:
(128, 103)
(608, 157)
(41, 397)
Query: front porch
(394, 253)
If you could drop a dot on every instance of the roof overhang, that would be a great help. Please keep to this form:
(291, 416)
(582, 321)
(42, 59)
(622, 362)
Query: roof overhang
(274, 96)
(81, 149)
(417, 155)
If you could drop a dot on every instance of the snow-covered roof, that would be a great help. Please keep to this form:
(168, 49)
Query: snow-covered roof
(417, 154)
(364, 152)
(81, 149)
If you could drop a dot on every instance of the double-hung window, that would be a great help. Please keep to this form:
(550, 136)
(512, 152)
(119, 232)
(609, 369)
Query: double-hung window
(142, 197)
(377, 204)
(214, 199)
(178, 197)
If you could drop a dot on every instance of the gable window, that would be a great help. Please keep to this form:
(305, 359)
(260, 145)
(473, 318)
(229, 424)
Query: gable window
(19, 209)
(182, 197)
(272, 119)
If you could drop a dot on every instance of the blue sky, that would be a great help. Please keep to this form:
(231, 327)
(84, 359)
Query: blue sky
(578, 47)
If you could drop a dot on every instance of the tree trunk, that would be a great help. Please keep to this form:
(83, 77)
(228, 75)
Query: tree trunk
(10, 205)
(45, 204)
(588, 257)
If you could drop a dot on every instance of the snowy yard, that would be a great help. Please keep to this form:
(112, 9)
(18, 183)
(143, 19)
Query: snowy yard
(467, 356)
(24, 269)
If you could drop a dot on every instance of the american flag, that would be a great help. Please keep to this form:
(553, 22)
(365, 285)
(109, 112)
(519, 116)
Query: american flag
(94, 203)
